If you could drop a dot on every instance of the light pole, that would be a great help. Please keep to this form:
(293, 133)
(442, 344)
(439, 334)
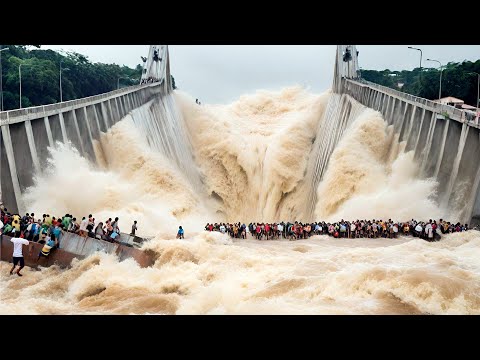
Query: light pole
(478, 88)
(1, 79)
(410, 47)
(441, 70)
(61, 97)
(118, 81)
(20, 79)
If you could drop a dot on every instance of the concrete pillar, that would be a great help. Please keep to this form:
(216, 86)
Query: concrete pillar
(49, 131)
(392, 108)
(428, 144)
(387, 107)
(112, 120)
(412, 118)
(422, 118)
(96, 118)
(130, 99)
(87, 123)
(75, 122)
(105, 115)
(442, 148)
(456, 163)
(124, 105)
(13, 168)
(62, 126)
(385, 98)
(119, 107)
(31, 145)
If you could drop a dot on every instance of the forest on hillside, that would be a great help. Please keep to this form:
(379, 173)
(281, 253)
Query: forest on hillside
(40, 72)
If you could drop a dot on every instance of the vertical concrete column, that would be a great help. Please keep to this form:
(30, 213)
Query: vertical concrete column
(124, 106)
(387, 107)
(442, 147)
(428, 144)
(49, 131)
(62, 126)
(113, 120)
(473, 199)
(104, 115)
(31, 145)
(135, 99)
(119, 108)
(75, 122)
(130, 99)
(7, 141)
(383, 104)
(380, 101)
(412, 117)
(96, 118)
(456, 163)
(419, 131)
(129, 104)
(87, 123)
(392, 109)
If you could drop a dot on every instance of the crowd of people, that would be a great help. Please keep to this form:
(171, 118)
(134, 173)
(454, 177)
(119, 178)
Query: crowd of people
(48, 230)
(430, 230)
(39, 229)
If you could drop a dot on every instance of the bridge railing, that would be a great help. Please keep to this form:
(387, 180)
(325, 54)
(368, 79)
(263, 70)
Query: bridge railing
(35, 112)
(453, 113)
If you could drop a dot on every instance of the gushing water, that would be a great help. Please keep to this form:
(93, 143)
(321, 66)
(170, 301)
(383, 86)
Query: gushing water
(268, 156)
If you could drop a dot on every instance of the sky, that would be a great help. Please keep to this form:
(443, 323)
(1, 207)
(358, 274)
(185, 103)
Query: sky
(222, 73)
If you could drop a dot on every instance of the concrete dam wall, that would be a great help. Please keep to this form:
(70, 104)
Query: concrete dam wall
(446, 145)
(27, 133)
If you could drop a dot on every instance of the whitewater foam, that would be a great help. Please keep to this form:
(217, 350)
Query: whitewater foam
(253, 160)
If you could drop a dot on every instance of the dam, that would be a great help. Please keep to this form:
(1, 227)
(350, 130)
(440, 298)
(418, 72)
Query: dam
(444, 142)
(153, 155)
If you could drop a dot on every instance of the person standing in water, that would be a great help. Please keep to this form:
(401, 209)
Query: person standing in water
(134, 228)
(18, 254)
(180, 233)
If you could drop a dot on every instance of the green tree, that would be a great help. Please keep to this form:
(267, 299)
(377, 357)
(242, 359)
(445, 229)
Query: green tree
(41, 72)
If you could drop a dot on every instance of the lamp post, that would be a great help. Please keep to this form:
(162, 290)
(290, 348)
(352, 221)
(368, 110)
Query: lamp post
(61, 95)
(118, 81)
(478, 88)
(441, 71)
(1, 79)
(20, 79)
(410, 47)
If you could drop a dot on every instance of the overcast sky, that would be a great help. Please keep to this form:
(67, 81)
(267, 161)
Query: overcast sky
(221, 73)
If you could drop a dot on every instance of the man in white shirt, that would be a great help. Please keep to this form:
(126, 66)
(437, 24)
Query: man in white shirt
(83, 227)
(18, 254)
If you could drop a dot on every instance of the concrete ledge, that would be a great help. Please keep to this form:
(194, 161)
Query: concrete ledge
(75, 247)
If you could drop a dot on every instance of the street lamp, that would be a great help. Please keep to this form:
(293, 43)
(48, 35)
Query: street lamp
(20, 78)
(410, 47)
(61, 97)
(441, 70)
(118, 81)
(478, 88)
(1, 79)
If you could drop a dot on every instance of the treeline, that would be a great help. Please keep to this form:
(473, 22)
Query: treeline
(457, 81)
(41, 71)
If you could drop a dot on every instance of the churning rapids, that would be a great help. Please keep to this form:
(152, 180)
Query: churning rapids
(269, 156)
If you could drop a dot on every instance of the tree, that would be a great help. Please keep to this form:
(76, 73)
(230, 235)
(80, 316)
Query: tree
(41, 72)
(456, 81)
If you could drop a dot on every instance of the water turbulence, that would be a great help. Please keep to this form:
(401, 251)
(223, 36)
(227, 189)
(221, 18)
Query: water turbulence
(269, 156)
